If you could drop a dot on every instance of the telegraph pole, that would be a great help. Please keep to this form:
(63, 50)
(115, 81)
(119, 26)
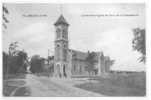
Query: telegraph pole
(48, 56)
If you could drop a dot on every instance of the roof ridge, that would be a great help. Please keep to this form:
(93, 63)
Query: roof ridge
(61, 20)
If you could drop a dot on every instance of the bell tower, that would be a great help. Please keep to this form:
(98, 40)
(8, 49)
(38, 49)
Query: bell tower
(61, 47)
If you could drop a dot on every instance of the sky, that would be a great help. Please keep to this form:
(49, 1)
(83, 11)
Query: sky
(87, 31)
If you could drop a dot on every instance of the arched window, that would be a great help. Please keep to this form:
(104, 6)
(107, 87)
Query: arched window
(58, 32)
(74, 68)
(80, 69)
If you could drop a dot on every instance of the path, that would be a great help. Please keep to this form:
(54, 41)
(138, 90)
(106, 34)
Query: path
(43, 86)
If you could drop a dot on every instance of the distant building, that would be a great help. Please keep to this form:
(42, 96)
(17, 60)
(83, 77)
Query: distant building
(48, 64)
(69, 62)
(106, 63)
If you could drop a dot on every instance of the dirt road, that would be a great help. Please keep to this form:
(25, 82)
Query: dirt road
(43, 86)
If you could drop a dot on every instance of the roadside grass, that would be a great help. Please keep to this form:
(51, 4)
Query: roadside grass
(23, 91)
(10, 86)
(12, 82)
(15, 76)
(117, 84)
(7, 90)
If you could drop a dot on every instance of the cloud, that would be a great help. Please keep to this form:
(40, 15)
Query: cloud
(117, 44)
(35, 38)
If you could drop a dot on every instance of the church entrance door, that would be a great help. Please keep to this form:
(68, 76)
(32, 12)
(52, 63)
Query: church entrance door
(58, 70)
(64, 71)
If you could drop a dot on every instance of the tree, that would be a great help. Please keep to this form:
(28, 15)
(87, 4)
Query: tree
(139, 43)
(12, 59)
(112, 62)
(16, 62)
(22, 61)
(91, 62)
(5, 63)
(13, 48)
(108, 63)
(36, 64)
(5, 20)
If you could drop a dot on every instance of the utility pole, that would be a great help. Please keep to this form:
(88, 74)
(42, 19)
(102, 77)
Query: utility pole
(48, 56)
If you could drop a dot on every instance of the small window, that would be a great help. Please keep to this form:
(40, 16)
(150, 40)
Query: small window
(58, 35)
(58, 45)
(63, 35)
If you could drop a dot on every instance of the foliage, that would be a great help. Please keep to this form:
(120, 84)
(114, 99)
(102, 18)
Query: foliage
(14, 64)
(139, 43)
(5, 20)
(22, 60)
(50, 57)
(15, 61)
(13, 48)
(110, 63)
(5, 63)
(36, 64)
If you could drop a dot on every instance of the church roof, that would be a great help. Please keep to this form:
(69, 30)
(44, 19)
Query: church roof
(61, 20)
(79, 55)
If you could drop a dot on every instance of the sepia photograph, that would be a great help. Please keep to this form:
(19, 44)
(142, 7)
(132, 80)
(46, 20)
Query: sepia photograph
(73, 50)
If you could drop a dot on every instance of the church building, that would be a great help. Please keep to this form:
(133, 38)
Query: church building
(68, 62)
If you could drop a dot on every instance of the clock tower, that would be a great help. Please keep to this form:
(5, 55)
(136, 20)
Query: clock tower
(61, 48)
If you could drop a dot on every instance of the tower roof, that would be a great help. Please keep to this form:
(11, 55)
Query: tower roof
(61, 20)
